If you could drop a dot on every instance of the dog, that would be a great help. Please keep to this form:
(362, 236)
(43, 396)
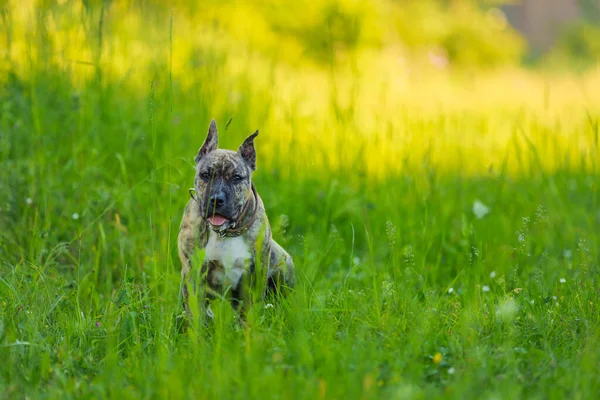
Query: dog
(226, 217)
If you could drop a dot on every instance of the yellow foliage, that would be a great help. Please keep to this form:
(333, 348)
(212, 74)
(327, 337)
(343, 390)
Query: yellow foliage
(375, 103)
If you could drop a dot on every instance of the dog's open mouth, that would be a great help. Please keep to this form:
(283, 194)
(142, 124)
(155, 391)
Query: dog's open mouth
(217, 220)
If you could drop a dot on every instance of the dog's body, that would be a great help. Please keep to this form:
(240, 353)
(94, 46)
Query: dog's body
(227, 219)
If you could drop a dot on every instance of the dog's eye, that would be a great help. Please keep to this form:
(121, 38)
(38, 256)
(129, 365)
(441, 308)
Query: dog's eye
(205, 176)
(238, 178)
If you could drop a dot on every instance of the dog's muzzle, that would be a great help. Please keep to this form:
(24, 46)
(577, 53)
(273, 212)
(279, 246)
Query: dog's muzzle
(239, 226)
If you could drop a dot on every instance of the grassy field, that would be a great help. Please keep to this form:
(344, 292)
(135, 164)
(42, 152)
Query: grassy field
(445, 225)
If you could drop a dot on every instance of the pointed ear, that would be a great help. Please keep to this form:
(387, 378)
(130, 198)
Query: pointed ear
(248, 152)
(210, 143)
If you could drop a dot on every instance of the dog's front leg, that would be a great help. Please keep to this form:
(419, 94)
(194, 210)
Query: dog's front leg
(239, 301)
(187, 244)
(242, 291)
(280, 271)
(199, 288)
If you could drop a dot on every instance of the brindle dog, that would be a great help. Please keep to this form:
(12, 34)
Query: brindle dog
(227, 218)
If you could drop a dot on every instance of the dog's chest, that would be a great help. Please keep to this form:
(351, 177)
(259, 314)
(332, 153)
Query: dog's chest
(233, 253)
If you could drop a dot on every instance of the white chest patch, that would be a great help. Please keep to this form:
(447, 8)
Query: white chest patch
(232, 252)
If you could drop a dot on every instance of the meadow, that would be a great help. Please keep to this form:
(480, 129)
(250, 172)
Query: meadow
(445, 223)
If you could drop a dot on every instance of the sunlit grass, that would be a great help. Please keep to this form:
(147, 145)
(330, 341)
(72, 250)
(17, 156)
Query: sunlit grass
(375, 104)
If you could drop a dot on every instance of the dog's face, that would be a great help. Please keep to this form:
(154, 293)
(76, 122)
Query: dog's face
(223, 179)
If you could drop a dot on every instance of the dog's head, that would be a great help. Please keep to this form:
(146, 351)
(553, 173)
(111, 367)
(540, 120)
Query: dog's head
(223, 179)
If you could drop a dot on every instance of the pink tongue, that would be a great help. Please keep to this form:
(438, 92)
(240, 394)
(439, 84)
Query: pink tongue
(217, 220)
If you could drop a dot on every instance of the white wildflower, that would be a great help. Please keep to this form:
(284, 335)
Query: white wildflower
(507, 311)
(493, 274)
(438, 58)
(268, 305)
(409, 255)
(485, 288)
(541, 214)
(582, 246)
(390, 230)
(451, 371)
(387, 286)
(479, 209)
(28, 201)
(450, 291)
(284, 222)
(75, 216)
(562, 280)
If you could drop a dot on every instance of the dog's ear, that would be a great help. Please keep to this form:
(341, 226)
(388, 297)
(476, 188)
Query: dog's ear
(210, 143)
(247, 151)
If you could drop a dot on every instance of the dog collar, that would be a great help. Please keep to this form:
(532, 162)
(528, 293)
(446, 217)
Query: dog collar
(236, 230)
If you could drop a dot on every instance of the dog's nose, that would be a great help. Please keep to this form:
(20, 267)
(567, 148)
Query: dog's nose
(217, 199)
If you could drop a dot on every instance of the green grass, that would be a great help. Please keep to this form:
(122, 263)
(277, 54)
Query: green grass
(402, 291)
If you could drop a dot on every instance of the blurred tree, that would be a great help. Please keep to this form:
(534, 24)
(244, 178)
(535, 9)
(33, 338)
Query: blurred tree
(466, 32)
(331, 29)
(471, 32)
(590, 10)
(578, 40)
